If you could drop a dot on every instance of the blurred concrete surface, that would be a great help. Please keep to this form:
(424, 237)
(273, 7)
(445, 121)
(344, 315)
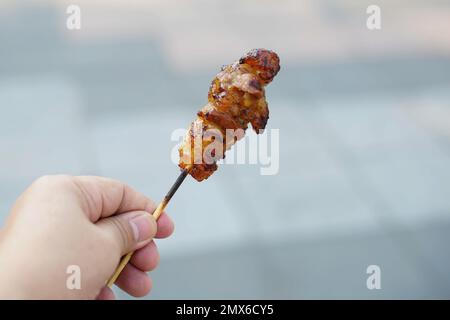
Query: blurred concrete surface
(364, 145)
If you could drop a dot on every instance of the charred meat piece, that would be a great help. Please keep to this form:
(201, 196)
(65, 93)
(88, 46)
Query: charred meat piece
(236, 98)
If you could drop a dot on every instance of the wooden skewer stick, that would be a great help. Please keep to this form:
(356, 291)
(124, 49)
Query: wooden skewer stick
(156, 215)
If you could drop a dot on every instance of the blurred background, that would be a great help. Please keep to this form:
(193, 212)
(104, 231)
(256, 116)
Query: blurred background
(364, 119)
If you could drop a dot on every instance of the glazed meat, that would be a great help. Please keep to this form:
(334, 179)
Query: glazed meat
(236, 98)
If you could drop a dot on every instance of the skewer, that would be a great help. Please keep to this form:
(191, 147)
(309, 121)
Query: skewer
(249, 75)
(156, 214)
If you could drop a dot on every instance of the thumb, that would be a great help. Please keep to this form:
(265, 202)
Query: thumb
(130, 231)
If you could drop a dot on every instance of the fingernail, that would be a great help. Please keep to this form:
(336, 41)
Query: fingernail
(142, 227)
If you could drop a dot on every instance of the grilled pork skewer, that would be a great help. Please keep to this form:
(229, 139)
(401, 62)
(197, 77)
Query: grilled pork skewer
(236, 99)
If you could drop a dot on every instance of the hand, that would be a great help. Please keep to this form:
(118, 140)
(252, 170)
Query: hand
(89, 222)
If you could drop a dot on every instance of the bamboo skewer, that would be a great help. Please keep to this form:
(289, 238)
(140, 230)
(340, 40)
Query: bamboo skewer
(156, 214)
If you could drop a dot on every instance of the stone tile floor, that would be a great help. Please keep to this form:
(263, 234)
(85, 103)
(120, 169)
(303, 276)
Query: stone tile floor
(364, 160)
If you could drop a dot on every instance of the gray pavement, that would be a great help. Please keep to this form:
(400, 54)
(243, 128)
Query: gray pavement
(364, 152)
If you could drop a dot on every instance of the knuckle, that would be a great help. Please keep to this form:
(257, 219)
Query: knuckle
(126, 236)
(51, 180)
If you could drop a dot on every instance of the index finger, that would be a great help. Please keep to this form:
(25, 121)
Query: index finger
(103, 197)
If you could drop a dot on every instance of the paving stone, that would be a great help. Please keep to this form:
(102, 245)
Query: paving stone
(41, 132)
(332, 267)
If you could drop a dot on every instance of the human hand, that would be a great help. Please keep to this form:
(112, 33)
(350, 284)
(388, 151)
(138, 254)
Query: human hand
(89, 222)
